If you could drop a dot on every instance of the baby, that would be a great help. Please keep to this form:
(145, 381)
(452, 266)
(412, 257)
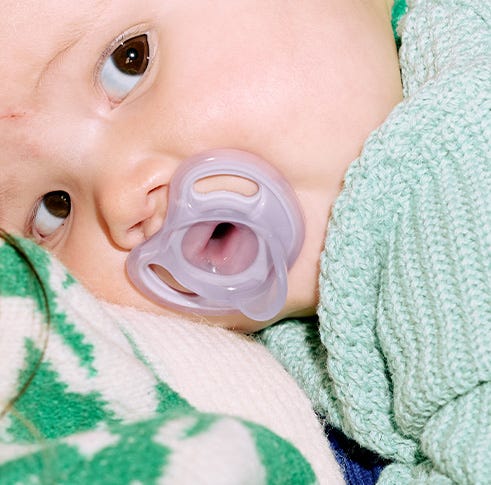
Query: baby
(99, 109)
(102, 100)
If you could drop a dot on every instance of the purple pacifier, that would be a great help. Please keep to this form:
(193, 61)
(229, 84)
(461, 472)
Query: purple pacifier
(226, 251)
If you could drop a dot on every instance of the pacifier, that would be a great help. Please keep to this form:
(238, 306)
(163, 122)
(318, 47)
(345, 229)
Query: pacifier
(228, 252)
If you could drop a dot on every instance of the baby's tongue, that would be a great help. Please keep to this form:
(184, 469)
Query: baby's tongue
(220, 247)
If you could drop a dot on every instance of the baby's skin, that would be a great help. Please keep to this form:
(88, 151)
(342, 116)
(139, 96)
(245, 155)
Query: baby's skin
(101, 100)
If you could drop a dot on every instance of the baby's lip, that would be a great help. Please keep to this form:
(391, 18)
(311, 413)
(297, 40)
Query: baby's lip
(169, 280)
(220, 247)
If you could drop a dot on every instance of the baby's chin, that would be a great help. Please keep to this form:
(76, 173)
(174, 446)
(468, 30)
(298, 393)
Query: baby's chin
(236, 321)
(129, 296)
(233, 321)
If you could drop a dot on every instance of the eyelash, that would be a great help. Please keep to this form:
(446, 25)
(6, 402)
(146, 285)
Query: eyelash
(119, 40)
(29, 231)
(29, 228)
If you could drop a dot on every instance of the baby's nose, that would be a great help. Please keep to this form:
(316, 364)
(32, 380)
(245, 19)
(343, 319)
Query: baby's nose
(132, 203)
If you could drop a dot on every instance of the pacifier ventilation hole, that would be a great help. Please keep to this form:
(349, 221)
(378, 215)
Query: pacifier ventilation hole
(220, 247)
(169, 280)
(231, 183)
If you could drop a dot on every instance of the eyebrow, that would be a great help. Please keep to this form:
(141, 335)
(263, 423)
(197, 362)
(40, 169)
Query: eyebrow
(67, 45)
(70, 37)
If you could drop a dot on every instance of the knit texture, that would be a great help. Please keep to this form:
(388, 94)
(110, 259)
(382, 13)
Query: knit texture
(401, 360)
(85, 400)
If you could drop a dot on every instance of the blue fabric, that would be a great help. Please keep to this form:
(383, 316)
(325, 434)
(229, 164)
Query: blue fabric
(359, 466)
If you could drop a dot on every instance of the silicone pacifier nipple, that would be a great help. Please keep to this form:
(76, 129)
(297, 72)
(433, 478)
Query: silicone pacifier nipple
(230, 251)
(220, 248)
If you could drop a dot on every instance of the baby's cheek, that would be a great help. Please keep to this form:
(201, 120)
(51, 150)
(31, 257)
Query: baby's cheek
(93, 261)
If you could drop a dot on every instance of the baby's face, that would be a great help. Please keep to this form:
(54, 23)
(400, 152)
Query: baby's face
(100, 101)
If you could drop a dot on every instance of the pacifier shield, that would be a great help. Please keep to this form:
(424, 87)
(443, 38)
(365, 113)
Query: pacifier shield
(231, 251)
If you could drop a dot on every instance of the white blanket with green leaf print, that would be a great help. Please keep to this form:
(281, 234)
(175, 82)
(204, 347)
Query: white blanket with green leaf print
(84, 403)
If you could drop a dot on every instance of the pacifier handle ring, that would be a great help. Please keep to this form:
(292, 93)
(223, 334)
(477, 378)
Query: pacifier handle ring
(272, 214)
(193, 302)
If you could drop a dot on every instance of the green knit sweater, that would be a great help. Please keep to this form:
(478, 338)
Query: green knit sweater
(401, 360)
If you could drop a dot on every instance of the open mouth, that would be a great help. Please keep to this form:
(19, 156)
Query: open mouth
(220, 247)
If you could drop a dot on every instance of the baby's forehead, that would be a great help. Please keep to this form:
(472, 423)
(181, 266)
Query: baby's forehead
(32, 31)
(18, 140)
(32, 34)
(19, 15)
(13, 114)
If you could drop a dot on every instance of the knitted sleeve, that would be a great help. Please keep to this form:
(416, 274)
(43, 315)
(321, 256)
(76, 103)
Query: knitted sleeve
(434, 300)
(406, 282)
(434, 307)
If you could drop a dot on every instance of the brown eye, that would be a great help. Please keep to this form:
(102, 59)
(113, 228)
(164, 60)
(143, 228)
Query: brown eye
(132, 56)
(124, 68)
(57, 203)
(51, 213)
